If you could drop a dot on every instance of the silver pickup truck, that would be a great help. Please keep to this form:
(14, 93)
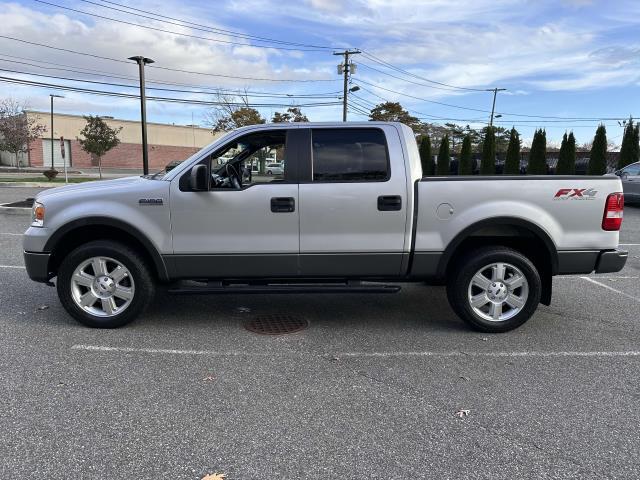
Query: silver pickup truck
(349, 211)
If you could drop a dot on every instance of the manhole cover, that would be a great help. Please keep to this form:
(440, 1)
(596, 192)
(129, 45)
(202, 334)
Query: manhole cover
(276, 324)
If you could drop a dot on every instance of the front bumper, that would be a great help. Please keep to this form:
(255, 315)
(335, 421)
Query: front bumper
(37, 265)
(611, 261)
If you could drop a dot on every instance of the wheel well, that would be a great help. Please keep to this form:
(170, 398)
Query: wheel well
(530, 243)
(75, 237)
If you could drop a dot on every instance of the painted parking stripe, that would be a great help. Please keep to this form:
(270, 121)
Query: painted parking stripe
(13, 266)
(629, 244)
(622, 277)
(595, 282)
(12, 234)
(168, 351)
(237, 353)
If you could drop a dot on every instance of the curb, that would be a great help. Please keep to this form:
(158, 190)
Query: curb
(29, 185)
(15, 210)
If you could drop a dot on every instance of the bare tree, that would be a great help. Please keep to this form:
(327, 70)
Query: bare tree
(232, 111)
(17, 129)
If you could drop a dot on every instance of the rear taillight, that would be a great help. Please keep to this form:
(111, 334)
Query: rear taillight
(612, 218)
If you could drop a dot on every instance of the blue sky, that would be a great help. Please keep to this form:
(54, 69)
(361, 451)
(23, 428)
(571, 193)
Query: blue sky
(571, 59)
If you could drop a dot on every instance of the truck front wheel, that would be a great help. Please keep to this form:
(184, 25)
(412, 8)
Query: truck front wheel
(494, 289)
(104, 284)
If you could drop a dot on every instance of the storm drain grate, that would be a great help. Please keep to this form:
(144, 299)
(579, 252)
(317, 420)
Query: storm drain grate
(276, 324)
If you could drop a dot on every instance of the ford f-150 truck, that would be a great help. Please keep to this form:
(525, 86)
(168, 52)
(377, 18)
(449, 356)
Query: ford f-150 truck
(350, 212)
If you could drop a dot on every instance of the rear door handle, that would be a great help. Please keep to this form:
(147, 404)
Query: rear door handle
(388, 203)
(283, 204)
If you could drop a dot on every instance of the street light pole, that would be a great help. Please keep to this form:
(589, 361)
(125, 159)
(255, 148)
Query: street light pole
(52, 97)
(142, 61)
(493, 108)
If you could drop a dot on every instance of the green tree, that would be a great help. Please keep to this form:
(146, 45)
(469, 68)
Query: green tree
(538, 154)
(465, 163)
(97, 138)
(426, 157)
(629, 149)
(293, 114)
(393, 112)
(444, 157)
(488, 162)
(512, 162)
(567, 155)
(598, 155)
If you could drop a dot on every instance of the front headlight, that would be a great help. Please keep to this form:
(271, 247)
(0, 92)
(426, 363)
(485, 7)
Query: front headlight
(37, 215)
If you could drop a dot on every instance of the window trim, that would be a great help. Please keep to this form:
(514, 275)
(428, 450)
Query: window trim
(309, 161)
(291, 138)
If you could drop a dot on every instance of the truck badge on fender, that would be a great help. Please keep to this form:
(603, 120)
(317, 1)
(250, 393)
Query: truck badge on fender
(575, 194)
(150, 201)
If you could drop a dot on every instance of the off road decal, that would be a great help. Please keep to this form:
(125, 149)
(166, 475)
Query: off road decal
(575, 194)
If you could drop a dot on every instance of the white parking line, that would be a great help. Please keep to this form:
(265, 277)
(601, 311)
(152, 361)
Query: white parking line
(611, 288)
(599, 276)
(12, 266)
(12, 234)
(233, 353)
(629, 244)
(632, 353)
(238, 353)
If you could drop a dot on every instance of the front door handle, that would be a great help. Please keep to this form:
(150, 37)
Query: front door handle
(388, 203)
(283, 204)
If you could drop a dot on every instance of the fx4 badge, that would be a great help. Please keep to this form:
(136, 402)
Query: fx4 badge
(575, 194)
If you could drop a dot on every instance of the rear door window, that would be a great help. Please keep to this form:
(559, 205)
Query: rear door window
(349, 155)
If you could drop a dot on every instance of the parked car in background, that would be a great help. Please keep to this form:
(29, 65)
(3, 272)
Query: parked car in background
(275, 169)
(630, 176)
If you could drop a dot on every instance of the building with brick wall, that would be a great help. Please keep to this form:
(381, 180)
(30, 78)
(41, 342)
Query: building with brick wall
(167, 143)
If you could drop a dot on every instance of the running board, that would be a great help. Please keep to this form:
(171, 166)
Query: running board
(218, 288)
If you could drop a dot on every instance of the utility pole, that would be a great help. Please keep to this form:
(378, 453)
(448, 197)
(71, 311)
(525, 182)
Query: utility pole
(495, 93)
(52, 97)
(345, 69)
(142, 61)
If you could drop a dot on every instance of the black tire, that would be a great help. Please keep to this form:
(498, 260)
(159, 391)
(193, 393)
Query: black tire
(459, 280)
(139, 271)
(269, 172)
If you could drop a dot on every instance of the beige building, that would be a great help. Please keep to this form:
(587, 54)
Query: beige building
(167, 143)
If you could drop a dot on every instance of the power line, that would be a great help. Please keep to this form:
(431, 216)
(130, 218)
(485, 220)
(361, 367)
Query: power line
(155, 98)
(404, 79)
(423, 99)
(66, 50)
(593, 119)
(148, 27)
(102, 73)
(379, 61)
(175, 90)
(202, 27)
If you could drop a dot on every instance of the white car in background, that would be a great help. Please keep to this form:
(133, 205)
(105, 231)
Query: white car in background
(274, 169)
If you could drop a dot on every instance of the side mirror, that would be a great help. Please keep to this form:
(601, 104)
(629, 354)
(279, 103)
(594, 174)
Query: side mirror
(199, 178)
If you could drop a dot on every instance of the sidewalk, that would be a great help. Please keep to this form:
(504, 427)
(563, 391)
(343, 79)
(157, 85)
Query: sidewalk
(33, 177)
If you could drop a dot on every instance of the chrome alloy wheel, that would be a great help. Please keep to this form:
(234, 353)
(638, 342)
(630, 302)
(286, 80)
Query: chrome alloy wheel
(102, 286)
(498, 292)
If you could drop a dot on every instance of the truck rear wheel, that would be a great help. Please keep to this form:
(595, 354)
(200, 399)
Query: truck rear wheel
(494, 289)
(104, 284)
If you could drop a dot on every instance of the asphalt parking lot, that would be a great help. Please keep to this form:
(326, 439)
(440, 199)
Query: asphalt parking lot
(369, 390)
